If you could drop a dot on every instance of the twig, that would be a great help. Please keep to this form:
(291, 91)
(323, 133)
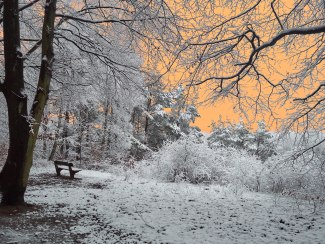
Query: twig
(145, 222)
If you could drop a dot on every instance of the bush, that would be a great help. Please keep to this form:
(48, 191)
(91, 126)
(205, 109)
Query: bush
(191, 160)
(303, 177)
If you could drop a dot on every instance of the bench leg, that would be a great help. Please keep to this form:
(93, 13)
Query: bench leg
(58, 170)
(71, 173)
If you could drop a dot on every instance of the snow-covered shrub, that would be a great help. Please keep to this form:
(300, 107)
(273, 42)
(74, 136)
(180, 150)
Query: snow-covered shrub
(138, 150)
(244, 169)
(302, 177)
(196, 160)
(189, 159)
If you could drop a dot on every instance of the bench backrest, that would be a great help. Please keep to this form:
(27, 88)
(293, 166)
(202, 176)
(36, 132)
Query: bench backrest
(64, 163)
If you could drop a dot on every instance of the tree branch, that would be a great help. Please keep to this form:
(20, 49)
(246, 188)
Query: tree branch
(292, 31)
(237, 16)
(28, 5)
(270, 43)
(276, 16)
(310, 95)
(121, 21)
(22, 8)
(297, 155)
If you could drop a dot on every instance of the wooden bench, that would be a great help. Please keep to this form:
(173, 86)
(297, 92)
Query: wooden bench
(68, 166)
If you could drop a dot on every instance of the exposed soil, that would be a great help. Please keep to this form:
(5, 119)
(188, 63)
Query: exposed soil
(32, 224)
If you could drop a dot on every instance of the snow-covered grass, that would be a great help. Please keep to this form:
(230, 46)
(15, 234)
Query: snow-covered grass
(101, 207)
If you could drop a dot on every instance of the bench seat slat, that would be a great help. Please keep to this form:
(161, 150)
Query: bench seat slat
(64, 163)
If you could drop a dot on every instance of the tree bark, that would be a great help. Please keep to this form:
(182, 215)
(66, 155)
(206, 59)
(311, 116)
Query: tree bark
(45, 135)
(12, 175)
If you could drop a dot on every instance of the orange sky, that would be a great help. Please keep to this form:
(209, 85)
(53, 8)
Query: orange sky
(228, 110)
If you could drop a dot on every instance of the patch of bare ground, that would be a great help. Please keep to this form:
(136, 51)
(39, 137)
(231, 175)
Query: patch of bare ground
(35, 224)
(52, 179)
(32, 224)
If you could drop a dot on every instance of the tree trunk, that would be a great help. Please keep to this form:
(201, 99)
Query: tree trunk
(23, 129)
(79, 145)
(45, 135)
(65, 145)
(146, 126)
(106, 111)
(12, 178)
(56, 136)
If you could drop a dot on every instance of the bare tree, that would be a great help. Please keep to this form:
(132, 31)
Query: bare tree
(266, 54)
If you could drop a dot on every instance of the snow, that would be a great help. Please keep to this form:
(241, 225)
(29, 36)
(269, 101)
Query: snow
(109, 209)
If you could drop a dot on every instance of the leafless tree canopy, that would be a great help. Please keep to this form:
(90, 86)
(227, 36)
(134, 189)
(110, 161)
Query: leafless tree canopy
(267, 54)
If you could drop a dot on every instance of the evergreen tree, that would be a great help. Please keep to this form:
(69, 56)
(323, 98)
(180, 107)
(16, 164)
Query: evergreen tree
(239, 136)
(167, 116)
(265, 147)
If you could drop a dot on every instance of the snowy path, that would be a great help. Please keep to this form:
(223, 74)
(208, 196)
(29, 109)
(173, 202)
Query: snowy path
(102, 208)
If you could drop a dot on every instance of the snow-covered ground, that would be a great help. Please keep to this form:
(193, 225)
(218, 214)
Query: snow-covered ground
(103, 208)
